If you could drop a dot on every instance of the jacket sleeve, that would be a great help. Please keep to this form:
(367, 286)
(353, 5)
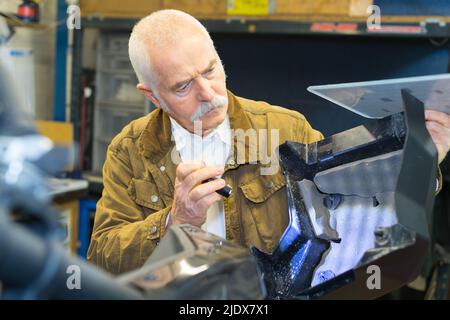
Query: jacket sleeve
(123, 236)
(306, 134)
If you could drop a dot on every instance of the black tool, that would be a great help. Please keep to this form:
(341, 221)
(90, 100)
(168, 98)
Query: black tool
(225, 191)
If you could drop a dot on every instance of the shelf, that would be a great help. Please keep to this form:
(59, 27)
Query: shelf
(392, 26)
(95, 177)
(17, 23)
(95, 182)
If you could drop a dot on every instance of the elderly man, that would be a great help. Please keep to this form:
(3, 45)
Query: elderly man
(155, 171)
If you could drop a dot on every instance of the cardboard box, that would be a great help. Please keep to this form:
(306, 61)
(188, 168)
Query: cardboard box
(199, 8)
(218, 8)
(141, 8)
(317, 8)
(313, 7)
(358, 8)
(119, 8)
(61, 133)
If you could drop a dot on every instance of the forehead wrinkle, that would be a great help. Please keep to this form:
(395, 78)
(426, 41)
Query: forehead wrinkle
(174, 70)
(192, 76)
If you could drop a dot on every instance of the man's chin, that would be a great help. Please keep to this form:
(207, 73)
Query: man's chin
(212, 119)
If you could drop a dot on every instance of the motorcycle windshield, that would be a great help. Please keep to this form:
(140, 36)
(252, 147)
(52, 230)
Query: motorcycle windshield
(382, 98)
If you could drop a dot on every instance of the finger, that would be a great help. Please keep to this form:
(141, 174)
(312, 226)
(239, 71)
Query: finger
(186, 168)
(198, 176)
(205, 189)
(439, 129)
(438, 140)
(437, 116)
(206, 202)
(440, 136)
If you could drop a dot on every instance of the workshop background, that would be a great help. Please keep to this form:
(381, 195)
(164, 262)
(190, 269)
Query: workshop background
(79, 84)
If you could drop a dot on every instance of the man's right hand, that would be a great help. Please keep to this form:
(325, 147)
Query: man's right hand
(192, 198)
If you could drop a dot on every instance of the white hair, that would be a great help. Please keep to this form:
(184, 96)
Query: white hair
(159, 30)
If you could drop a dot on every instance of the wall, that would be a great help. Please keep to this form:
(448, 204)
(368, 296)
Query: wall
(279, 68)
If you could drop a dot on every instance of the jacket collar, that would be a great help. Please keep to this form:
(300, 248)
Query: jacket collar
(155, 141)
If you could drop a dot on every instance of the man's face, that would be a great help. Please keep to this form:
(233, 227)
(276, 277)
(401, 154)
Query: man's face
(191, 80)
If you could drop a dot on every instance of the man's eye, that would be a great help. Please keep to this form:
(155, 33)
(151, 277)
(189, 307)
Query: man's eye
(209, 72)
(183, 88)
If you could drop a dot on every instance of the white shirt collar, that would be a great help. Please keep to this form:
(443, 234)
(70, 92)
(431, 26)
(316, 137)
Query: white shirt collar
(180, 134)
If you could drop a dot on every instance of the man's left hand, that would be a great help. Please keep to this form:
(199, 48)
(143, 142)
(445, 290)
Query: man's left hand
(438, 125)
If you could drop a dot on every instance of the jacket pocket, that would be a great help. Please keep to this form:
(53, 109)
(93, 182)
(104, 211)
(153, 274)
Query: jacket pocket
(145, 194)
(261, 188)
(264, 214)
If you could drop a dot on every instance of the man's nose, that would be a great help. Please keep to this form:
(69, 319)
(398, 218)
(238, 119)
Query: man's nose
(205, 90)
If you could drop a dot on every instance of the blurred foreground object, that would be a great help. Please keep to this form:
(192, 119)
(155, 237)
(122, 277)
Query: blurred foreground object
(28, 11)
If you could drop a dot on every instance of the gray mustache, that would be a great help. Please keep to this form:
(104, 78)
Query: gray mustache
(216, 103)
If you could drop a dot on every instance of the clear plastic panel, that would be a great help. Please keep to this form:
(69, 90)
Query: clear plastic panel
(378, 99)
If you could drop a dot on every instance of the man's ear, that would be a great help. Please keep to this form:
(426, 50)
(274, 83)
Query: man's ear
(146, 91)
